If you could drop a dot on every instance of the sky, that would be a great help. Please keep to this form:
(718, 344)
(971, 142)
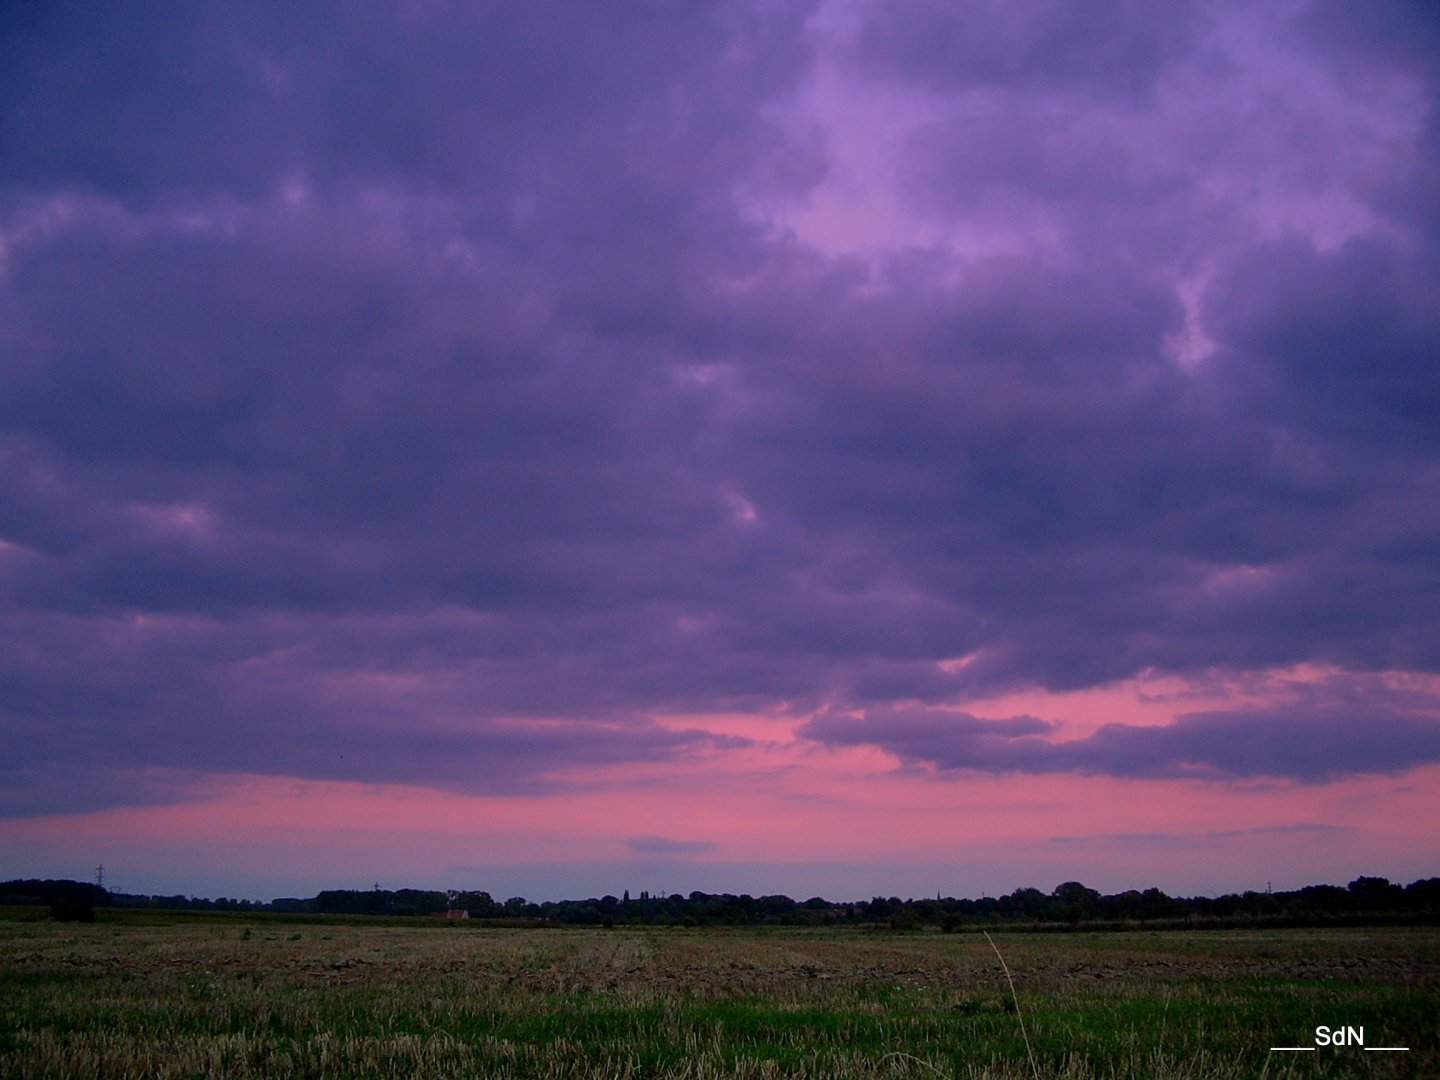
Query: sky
(822, 447)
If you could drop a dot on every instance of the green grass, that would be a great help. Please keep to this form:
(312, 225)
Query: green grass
(254, 998)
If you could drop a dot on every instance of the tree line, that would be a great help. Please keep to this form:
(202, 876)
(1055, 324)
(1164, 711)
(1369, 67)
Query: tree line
(1069, 904)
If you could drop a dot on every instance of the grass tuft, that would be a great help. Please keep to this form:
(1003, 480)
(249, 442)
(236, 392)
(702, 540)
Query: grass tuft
(1015, 998)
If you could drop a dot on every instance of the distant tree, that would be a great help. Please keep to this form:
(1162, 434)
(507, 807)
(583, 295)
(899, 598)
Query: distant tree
(1321, 900)
(1029, 903)
(1423, 895)
(1074, 902)
(71, 901)
(1129, 904)
(479, 904)
(905, 918)
(881, 907)
(1376, 894)
(1156, 905)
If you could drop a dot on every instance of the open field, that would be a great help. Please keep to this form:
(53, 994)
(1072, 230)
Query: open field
(259, 998)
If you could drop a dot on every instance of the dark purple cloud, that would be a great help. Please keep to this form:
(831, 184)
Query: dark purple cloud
(452, 388)
(1110, 48)
(1312, 740)
(1349, 339)
(151, 102)
(1385, 33)
(392, 701)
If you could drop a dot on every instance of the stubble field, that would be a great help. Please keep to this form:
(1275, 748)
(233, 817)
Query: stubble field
(263, 998)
